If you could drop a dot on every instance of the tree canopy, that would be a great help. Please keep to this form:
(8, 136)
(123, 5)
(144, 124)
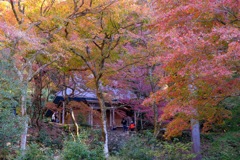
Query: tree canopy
(170, 61)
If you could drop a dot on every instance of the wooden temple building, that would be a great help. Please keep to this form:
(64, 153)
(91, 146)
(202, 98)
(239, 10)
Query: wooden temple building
(115, 110)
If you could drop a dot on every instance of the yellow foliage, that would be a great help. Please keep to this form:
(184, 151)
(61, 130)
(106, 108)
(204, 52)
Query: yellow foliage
(216, 118)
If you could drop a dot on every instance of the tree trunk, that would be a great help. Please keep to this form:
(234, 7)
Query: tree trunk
(23, 110)
(24, 135)
(195, 128)
(74, 122)
(155, 107)
(196, 139)
(156, 123)
(104, 121)
(65, 97)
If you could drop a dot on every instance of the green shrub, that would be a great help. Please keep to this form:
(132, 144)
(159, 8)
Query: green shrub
(35, 152)
(233, 104)
(224, 147)
(75, 150)
(45, 139)
(86, 147)
(135, 149)
(174, 150)
(10, 131)
(146, 147)
(81, 119)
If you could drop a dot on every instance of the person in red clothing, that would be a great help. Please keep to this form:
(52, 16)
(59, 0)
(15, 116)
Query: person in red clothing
(132, 126)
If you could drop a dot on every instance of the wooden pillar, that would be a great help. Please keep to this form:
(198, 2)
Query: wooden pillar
(135, 118)
(90, 117)
(111, 118)
(114, 118)
(141, 122)
(63, 112)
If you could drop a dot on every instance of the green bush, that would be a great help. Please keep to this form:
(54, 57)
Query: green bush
(45, 139)
(10, 124)
(85, 147)
(146, 147)
(35, 152)
(10, 131)
(224, 147)
(174, 150)
(135, 149)
(75, 150)
(233, 104)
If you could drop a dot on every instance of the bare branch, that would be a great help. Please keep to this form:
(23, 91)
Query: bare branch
(90, 3)
(97, 45)
(94, 10)
(101, 20)
(47, 9)
(38, 70)
(32, 25)
(14, 12)
(76, 7)
(41, 8)
(20, 8)
(116, 44)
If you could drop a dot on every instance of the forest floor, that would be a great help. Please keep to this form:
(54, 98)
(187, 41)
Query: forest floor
(53, 134)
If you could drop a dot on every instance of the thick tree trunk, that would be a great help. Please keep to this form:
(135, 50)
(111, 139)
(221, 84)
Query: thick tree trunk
(104, 121)
(196, 139)
(195, 128)
(75, 122)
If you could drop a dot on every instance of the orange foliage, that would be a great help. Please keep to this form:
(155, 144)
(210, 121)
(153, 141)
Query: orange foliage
(200, 55)
(176, 127)
(83, 108)
(52, 106)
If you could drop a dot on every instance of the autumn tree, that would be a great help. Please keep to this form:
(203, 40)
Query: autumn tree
(98, 46)
(137, 73)
(137, 82)
(23, 47)
(200, 54)
(87, 32)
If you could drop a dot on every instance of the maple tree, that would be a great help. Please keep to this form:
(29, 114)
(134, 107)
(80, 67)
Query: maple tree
(191, 50)
(137, 83)
(139, 75)
(101, 52)
(200, 54)
(85, 34)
